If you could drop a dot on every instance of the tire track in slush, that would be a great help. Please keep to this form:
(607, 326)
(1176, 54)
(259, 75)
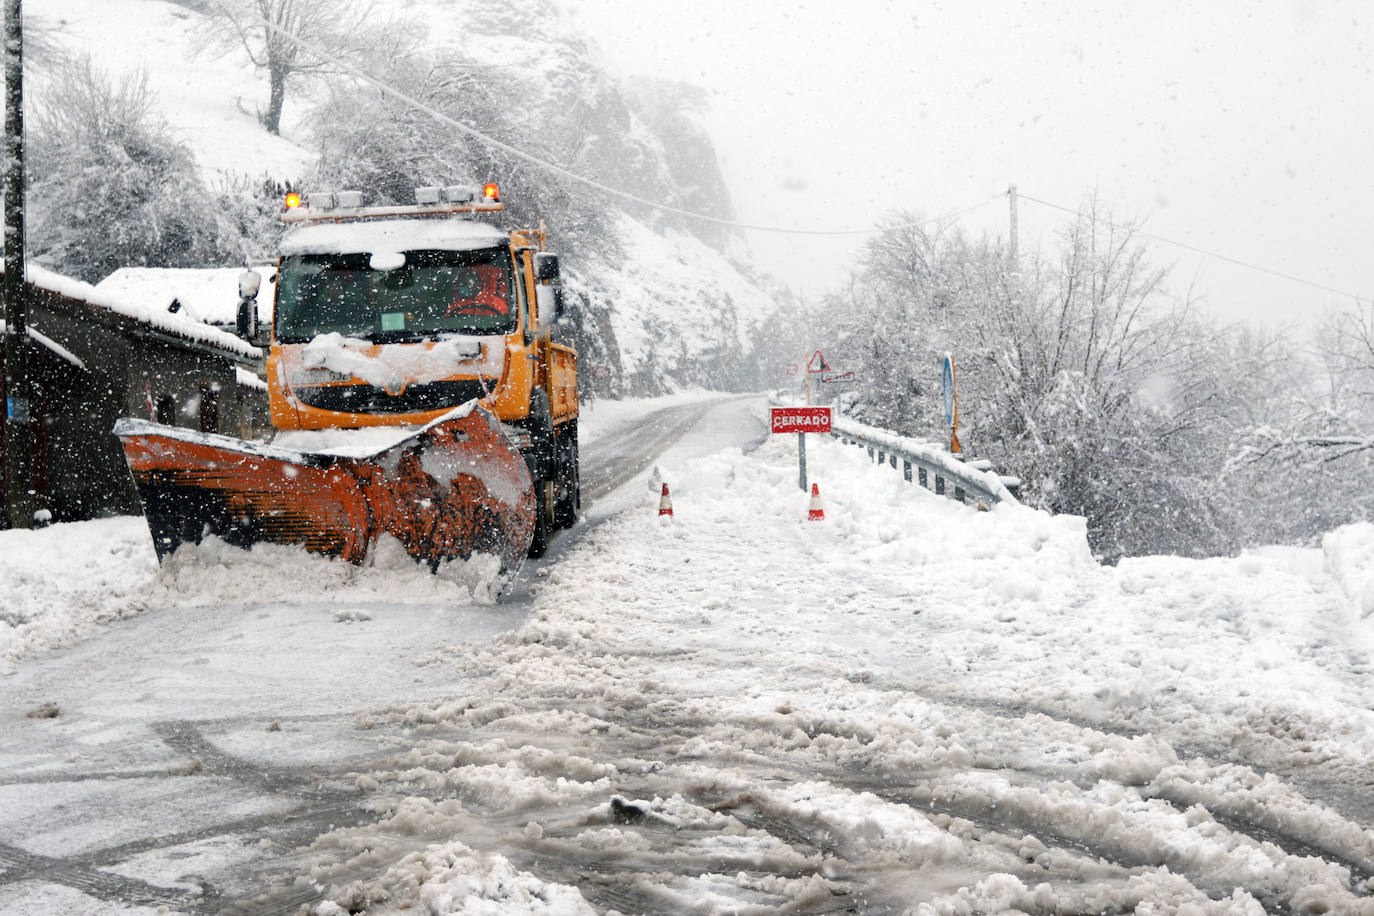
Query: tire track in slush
(1352, 802)
(644, 744)
(611, 467)
(16, 865)
(322, 805)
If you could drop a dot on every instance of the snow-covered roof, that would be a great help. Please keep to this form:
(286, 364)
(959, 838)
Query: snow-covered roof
(57, 349)
(392, 235)
(153, 313)
(61, 351)
(209, 294)
(248, 379)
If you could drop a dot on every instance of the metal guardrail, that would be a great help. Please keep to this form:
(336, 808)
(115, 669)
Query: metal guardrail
(971, 481)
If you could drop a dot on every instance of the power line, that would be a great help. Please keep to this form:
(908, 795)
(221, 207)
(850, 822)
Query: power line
(735, 224)
(1203, 251)
(589, 182)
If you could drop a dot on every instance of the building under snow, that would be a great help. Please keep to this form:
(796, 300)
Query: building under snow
(101, 354)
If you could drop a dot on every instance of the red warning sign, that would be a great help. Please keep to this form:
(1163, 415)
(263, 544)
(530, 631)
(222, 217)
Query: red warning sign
(801, 420)
(817, 363)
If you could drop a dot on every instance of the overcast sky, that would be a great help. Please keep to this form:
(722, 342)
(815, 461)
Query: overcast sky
(1244, 127)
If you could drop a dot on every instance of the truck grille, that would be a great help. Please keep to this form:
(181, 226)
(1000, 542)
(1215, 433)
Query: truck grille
(367, 399)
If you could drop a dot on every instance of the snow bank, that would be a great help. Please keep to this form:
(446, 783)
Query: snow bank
(1349, 559)
(62, 583)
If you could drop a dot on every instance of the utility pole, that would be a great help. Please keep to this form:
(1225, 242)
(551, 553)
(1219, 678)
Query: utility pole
(18, 434)
(1014, 243)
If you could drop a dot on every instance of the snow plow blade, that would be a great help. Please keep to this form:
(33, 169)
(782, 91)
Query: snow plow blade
(452, 489)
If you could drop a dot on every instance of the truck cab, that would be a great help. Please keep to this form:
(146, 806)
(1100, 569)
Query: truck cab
(394, 316)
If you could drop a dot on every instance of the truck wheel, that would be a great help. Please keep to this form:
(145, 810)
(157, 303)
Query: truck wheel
(541, 459)
(543, 518)
(569, 481)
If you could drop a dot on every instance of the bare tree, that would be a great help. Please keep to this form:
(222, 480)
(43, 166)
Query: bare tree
(291, 39)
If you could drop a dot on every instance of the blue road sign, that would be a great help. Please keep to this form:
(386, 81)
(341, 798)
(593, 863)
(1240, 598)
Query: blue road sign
(948, 385)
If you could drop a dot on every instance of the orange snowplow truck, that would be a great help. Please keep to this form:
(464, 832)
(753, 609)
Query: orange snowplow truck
(416, 385)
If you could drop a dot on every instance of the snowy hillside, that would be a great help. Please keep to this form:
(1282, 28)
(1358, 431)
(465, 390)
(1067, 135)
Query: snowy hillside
(667, 300)
(210, 102)
(660, 307)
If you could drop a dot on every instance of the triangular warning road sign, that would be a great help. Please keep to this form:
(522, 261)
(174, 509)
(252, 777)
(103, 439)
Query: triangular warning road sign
(817, 363)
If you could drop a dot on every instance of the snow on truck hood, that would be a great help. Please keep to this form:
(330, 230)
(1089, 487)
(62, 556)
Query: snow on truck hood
(391, 235)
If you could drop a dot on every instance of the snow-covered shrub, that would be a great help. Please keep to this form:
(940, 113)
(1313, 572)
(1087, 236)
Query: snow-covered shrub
(110, 185)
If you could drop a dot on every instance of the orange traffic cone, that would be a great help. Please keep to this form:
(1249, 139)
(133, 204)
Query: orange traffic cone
(817, 512)
(665, 503)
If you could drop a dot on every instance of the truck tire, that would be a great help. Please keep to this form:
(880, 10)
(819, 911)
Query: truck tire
(542, 461)
(543, 519)
(569, 479)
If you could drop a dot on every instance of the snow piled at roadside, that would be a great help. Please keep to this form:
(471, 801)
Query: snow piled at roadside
(61, 584)
(64, 583)
(898, 579)
(1349, 558)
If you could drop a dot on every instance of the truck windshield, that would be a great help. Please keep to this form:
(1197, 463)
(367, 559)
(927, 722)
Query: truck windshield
(434, 293)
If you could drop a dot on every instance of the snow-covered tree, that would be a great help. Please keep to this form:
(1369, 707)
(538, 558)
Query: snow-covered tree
(377, 142)
(111, 186)
(901, 310)
(1302, 457)
(1077, 373)
(290, 40)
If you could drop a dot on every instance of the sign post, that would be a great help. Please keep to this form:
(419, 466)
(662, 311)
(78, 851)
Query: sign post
(814, 365)
(951, 395)
(800, 420)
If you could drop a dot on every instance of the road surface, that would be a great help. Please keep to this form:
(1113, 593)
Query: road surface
(913, 708)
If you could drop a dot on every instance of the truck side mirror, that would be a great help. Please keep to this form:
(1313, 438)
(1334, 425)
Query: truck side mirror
(246, 321)
(548, 293)
(546, 267)
(549, 300)
(250, 281)
(246, 325)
